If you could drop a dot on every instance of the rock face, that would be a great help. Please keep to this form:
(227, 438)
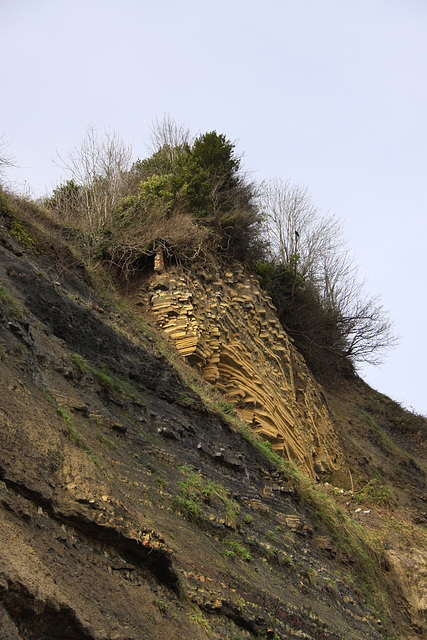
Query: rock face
(129, 509)
(225, 324)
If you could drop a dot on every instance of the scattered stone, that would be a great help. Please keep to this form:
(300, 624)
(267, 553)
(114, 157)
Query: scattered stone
(119, 427)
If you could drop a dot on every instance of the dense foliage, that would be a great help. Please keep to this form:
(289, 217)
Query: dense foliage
(203, 179)
(313, 327)
(191, 198)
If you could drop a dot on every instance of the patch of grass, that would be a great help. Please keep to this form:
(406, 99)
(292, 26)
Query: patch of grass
(104, 378)
(5, 296)
(79, 362)
(374, 492)
(199, 618)
(247, 519)
(414, 535)
(272, 554)
(20, 348)
(225, 408)
(196, 490)
(18, 231)
(106, 381)
(162, 605)
(264, 447)
(15, 309)
(106, 442)
(312, 576)
(387, 443)
(271, 535)
(239, 549)
(286, 561)
(161, 483)
(184, 400)
(188, 507)
(71, 432)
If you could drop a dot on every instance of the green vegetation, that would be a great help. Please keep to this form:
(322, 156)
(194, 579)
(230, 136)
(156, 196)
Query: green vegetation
(104, 379)
(200, 619)
(20, 348)
(374, 492)
(71, 432)
(185, 401)
(106, 442)
(79, 362)
(10, 210)
(18, 231)
(161, 483)
(15, 309)
(236, 548)
(271, 535)
(188, 197)
(162, 605)
(387, 443)
(196, 491)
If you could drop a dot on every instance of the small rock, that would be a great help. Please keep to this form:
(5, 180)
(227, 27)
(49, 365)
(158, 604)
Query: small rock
(119, 426)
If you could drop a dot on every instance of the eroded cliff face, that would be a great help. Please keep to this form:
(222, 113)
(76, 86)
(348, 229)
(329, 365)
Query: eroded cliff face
(222, 321)
(129, 509)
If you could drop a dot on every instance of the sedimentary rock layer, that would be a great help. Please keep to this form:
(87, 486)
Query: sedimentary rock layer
(225, 324)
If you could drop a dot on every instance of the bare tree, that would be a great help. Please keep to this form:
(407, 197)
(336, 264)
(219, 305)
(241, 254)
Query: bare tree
(99, 167)
(167, 136)
(297, 229)
(6, 160)
(311, 243)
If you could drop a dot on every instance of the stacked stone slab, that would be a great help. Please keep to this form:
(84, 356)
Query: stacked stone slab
(224, 323)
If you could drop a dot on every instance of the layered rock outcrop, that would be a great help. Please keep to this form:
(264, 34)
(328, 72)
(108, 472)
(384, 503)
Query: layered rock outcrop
(222, 321)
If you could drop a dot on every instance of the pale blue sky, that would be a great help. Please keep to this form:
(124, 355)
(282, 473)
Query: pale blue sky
(331, 94)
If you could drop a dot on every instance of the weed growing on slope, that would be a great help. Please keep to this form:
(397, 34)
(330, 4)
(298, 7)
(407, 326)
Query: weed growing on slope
(199, 618)
(79, 362)
(18, 231)
(106, 442)
(104, 379)
(71, 432)
(387, 443)
(162, 605)
(238, 549)
(374, 492)
(15, 309)
(196, 490)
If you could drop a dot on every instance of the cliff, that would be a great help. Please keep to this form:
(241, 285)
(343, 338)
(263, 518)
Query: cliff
(134, 501)
(222, 322)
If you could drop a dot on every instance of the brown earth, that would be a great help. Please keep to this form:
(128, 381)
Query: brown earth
(128, 509)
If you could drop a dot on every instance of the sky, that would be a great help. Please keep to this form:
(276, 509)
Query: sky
(330, 94)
